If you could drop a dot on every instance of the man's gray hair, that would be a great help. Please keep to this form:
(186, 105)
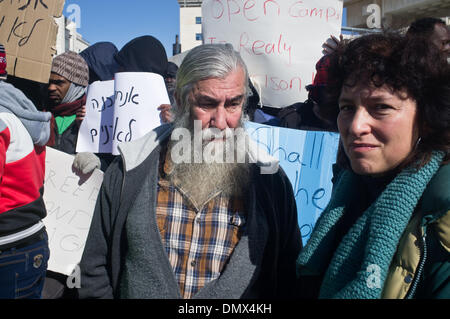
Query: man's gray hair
(205, 62)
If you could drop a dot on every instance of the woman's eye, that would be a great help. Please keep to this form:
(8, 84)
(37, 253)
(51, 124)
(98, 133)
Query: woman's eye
(345, 107)
(382, 107)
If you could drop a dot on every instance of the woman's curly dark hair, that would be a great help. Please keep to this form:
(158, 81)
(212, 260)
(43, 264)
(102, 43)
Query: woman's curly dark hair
(404, 65)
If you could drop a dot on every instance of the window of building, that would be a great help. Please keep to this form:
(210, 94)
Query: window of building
(198, 20)
(198, 36)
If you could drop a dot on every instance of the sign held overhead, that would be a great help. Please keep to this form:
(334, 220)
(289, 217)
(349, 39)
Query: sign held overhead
(28, 32)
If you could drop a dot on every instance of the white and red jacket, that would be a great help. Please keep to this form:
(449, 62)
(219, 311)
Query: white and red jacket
(22, 165)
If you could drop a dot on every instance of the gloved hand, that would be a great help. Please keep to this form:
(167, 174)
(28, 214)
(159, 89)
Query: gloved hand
(86, 162)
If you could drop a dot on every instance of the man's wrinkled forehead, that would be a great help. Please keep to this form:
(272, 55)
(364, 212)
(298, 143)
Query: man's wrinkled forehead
(206, 99)
(233, 80)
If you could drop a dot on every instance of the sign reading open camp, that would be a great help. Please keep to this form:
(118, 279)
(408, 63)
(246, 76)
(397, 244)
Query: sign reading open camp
(279, 40)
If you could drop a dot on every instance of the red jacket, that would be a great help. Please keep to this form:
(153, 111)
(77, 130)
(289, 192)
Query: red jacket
(22, 169)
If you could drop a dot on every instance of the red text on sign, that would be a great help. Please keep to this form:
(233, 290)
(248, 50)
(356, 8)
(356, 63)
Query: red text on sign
(259, 47)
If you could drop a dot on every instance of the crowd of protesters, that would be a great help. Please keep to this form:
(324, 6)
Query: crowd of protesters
(165, 229)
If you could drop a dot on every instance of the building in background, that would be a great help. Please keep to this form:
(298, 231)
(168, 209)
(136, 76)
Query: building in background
(395, 14)
(176, 49)
(67, 38)
(190, 24)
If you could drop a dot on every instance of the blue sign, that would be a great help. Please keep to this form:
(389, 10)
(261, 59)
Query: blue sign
(307, 158)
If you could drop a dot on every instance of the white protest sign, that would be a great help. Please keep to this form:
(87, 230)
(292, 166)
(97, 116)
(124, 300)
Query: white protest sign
(99, 106)
(280, 41)
(70, 201)
(136, 97)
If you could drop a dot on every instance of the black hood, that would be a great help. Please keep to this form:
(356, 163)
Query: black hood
(143, 54)
(100, 59)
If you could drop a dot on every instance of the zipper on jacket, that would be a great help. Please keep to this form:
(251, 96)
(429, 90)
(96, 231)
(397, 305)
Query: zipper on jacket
(57, 140)
(419, 271)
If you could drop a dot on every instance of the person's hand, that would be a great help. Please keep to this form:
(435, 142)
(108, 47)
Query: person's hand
(86, 162)
(331, 44)
(165, 114)
(81, 113)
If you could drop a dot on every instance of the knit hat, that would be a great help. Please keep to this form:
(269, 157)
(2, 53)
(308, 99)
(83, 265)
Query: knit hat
(320, 80)
(73, 67)
(3, 72)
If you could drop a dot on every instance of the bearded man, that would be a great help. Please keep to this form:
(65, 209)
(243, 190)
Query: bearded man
(194, 209)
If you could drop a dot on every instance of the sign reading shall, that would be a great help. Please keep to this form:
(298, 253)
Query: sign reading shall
(307, 158)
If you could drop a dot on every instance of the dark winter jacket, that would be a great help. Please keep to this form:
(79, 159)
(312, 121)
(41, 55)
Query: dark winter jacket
(261, 266)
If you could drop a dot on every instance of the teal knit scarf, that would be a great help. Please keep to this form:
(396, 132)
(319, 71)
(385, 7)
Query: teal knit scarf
(360, 264)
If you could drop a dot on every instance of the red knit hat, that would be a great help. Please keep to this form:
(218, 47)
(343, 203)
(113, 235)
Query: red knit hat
(321, 78)
(3, 72)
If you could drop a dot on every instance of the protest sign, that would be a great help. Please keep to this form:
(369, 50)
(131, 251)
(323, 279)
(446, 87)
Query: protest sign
(121, 111)
(280, 41)
(93, 133)
(28, 32)
(307, 158)
(70, 202)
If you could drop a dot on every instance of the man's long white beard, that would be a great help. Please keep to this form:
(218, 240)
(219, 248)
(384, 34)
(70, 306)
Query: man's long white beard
(201, 180)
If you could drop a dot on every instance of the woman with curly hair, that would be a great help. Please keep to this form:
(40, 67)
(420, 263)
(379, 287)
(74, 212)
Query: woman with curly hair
(386, 230)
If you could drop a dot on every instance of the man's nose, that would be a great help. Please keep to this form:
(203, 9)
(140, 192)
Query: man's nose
(219, 118)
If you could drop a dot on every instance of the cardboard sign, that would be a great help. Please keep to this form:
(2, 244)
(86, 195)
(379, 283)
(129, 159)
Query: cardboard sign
(121, 111)
(28, 32)
(70, 201)
(307, 158)
(279, 40)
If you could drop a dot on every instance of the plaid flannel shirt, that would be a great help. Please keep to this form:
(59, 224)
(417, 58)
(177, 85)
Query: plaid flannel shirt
(199, 241)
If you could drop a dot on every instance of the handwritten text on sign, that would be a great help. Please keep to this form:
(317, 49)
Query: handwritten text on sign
(280, 41)
(121, 110)
(28, 32)
(307, 158)
(70, 202)
(22, 31)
